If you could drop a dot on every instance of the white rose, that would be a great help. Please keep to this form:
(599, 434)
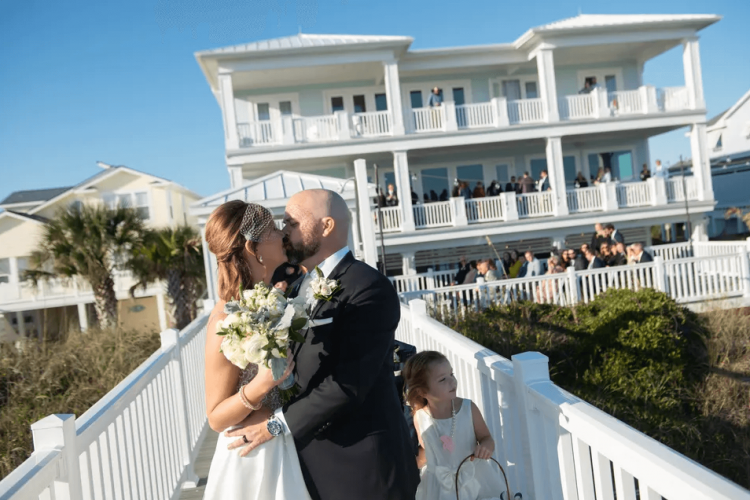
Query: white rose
(252, 348)
(247, 295)
(233, 352)
(232, 319)
(325, 289)
(285, 321)
(275, 353)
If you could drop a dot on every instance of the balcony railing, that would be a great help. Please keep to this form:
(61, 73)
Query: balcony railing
(262, 133)
(587, 199)
(536, 204)
(428, 119)
(525, 111)
(481, 114)
(374, 124)
(626, 102)
(574, 107)
(673, 99)
(484, 209)
(676, 189)
(438, 214)
(634, 194)
(316, 128)
(391, 219)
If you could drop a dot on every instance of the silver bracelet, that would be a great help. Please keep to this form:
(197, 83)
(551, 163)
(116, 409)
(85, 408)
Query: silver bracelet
(247, 402)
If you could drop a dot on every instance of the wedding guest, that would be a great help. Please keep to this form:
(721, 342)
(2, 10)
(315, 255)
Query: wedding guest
(456, 191)
(433, 195)
(543, 184)
(613, 234)
(426, 198)
(436, 99)
(527, 184)
(444, 195)
(640, 255)
(391, 200)
(491, 274)
(471, 276)
(463, 270)
(604, 253)
(594, 261)
(495, 189)
(607, 177)
(518, 261)
(620, 257)
(478, 190)
(581, 181)
(512, 186)
(414, 197)
(580, 258)
(449, 429)
(599, 175)
(533, 265)
(464, 191)
(645, 173)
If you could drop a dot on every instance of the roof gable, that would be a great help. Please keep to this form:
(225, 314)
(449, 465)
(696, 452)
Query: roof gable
(611, 20)
(33, 195)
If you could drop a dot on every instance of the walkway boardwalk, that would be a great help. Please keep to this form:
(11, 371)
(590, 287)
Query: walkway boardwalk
(201, 465)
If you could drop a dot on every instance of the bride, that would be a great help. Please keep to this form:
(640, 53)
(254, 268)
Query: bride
(248, 248)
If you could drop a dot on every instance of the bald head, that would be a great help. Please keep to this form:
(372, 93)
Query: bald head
(316, 226)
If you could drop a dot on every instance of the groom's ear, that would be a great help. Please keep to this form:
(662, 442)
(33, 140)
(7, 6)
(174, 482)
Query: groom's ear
(329, 224)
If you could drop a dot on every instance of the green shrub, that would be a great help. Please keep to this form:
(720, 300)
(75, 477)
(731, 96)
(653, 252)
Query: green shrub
(66, 376)
(645, 360)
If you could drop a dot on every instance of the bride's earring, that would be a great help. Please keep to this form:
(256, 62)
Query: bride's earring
(260, 259)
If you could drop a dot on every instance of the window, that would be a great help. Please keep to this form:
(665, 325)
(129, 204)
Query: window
(138, 201)
(718, 143)
(389, 178)
(415, 97)
(610, 82)
(337, 104)
(569, 167)
(620, 162)
(531, 92)
(470, 174)
(381, 102)
(4, 271)
(458, 96)
(435, 179)
(285, 108)
(141, 205)
(502, 173)
(264, 111)
(359, 104)
(537, 165)
(512, 89)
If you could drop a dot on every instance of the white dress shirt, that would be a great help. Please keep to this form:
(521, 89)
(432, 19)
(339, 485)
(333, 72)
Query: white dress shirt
(327, 266)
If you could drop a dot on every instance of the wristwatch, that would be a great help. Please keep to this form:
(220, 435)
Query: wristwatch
(274, 426)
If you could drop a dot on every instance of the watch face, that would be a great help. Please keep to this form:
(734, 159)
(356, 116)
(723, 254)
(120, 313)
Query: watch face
(274, 427)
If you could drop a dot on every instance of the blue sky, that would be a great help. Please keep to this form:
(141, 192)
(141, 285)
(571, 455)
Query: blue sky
(117, 81)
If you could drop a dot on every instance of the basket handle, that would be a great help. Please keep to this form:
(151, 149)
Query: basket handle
(505, 477)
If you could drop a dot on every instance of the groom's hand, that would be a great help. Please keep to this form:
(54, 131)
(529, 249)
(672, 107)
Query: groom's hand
(251, 433)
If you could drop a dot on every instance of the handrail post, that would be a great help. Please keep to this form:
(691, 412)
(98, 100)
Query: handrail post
(170, 338)
(745, 267)
(528, 368)
(59, 431)
(458, 206)
(574, 291)
(418, 315)
(660, 275)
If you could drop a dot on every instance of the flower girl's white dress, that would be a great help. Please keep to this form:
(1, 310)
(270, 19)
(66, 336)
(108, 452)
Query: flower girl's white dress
(269, 472)
(478, 480)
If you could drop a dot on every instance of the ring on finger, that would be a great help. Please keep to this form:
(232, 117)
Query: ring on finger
(244, 438)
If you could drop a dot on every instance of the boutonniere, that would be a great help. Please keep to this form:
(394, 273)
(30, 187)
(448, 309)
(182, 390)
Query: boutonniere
(322, 288)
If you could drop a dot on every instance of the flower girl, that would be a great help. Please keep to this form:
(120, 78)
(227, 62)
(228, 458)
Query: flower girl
(449, 430)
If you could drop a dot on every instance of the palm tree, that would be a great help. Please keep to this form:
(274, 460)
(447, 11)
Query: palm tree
(88, 241)
(175, 256)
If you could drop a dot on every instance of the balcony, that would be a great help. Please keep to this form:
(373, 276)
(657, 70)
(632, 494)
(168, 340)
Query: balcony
(498, 113)
(510, 206)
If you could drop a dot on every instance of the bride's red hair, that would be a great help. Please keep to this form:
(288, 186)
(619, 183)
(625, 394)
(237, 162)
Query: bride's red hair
(225, 241)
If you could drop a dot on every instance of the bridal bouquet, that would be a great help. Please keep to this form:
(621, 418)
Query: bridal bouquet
(259, 328)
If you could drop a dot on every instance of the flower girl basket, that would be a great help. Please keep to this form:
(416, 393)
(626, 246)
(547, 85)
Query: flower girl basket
(505, 477)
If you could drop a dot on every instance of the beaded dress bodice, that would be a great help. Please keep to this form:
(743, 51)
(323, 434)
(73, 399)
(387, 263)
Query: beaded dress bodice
(272, 400)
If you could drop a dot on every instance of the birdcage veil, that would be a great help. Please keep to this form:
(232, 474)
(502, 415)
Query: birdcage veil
(256, 222)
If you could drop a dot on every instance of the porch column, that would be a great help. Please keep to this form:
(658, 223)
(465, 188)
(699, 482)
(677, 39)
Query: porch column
(83, 319)
(701, 161)
(691, 63)
(403, 189)
(545, 64)
(210, 266)
(235, 177)
(556, 174)
(408, 263)
(21, 324)
(700, 230)
(366, 223)
(393, 94)
(230, 116)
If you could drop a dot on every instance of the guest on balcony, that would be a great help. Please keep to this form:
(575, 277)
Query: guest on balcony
(463, 270)
(495, 189)
(488, 270)
(581, 181)
(391, 200)
(512, 186)
(588, 85)
(594, 261)
(543, 184)
(436, 98)
(478, 190)
(444, 195)
(604, 175)
(426, 198)
(464, 191)
(645, 173)
(532, 266)
(613, 234)
(433, 195)
(640, 255)
(580, 259)
(620, 258)
(471, 276)
(600, 236)
(414, 197)
(605, 254)
(515, 267)
(527, 184)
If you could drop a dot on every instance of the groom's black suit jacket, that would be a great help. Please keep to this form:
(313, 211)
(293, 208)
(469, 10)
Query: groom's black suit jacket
(347, 423)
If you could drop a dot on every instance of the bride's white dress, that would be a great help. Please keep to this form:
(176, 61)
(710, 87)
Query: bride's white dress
(269, 472)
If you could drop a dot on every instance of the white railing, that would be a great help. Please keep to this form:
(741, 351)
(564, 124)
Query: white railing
(633, 194)
(705, 278)
(714, 248)
(436, 214)
(525, 111)
(262, 133)
(673, 99)
(484, 209)
(139, 441)
(574, 107)
(481, 114)
(391, 219)
(551, 443)
(425, 281)
(676, 189)
(626, 102)
(372, 124)
(315, 128)
(671, 251)
(535, 204)
(588, 199)
(596, 281)
(428, 119)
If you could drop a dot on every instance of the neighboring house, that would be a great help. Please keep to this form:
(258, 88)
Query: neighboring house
(29, 310)
(728, 140)
(314, 104)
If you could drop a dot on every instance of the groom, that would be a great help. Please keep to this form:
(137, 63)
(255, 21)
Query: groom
(346, 422)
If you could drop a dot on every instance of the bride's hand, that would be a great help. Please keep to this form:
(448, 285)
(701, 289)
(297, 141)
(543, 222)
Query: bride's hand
(265, 375)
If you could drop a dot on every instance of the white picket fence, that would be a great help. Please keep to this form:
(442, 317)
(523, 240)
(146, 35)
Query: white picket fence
(372, 124)
(481, 114)
(552, 444)
(573, 107)
(634, 194)
(137, 442)
(626, 102)
(535, 204)
(687, 280)
(425, 281)
(438, 214)
(525, 111)
(484, 209)
(588, 199)
(316, 128)
(428, 119)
